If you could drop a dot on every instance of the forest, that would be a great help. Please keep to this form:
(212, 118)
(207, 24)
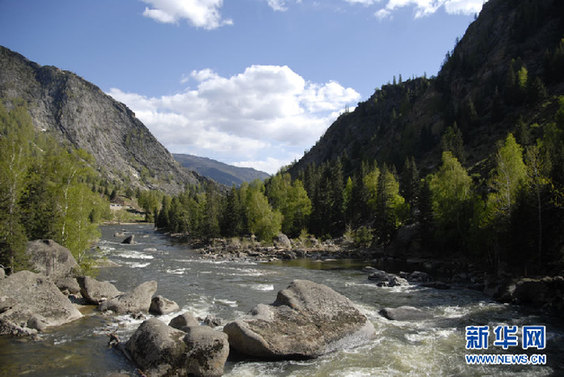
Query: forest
(509, 218)
(47, 190)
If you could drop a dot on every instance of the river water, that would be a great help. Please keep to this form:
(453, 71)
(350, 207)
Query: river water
(227, 290)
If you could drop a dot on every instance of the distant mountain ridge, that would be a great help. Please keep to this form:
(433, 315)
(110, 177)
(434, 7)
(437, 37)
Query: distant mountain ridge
(218, 171)
(78, 112)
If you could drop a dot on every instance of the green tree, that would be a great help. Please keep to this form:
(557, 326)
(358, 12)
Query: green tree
(263, 221)
(296, 213)
(390, 206)
(453, 142)
(348, 207)
(451, 189)
(231, 221)
(370, 183)
(508, 177)
(410, 183)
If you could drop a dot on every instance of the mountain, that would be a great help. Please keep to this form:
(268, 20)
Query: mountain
(506, 71)
(218, 171)
(78, 112)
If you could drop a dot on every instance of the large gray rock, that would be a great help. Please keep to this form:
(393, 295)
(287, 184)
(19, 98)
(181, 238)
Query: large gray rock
(51, 259)
(282, 240)
(207, 351)
(30, 302)
(138, 300)
(68, 285)
(160, 350)
(161, 305)
(156, 348)
(385, 279)
(96, 292)
(2, 273)
(183, 320)
(306, 320)
(404, 313)
(546, 293)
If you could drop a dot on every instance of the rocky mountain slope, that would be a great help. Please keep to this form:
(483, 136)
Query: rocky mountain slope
(218, 171)
(505, 71)
(77, 112)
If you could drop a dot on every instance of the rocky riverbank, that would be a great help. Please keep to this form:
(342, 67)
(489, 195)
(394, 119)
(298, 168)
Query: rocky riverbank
(545, 293)
(281, 248)
(313, 318)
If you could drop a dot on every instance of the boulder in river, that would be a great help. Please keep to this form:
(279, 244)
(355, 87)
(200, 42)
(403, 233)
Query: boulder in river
(96, 292)
(129, 240)
(30, 302)
(306, 320)
(183, 320)
(546, 292)
(385, 279)
(137, 300)
(404, 313)
(160, 350)
(51, 259)
(161, 305)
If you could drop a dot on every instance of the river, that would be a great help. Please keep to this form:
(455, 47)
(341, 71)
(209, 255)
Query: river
(226, 289)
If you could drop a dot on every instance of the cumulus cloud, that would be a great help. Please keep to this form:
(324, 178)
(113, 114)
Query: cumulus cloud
(424, 7)
(200, 13)
(266, 115)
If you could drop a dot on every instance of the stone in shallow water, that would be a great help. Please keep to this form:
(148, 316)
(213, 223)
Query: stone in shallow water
(161, 305)
(183, 320)
(404, 313)
(138, 300)
(161, 350)
(306, 320)
(95, 292)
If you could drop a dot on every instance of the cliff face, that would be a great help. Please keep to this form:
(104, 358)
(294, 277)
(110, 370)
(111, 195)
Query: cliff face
(77, 112)
(482, 87)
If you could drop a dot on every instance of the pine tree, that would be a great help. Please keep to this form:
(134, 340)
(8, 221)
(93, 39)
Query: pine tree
(231, 222)
(453, 142)
(410, 183)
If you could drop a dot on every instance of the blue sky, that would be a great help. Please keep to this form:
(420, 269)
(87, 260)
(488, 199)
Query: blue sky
(247, 82)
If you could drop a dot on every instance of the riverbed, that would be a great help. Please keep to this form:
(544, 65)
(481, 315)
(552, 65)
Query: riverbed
(229, 289)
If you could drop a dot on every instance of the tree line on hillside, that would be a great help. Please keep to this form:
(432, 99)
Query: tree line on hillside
(511, 217)
(45, 191)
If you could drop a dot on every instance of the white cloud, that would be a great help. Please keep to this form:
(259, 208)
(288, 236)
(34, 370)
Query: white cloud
(200, 13)
(266, 115)
(280, 5)
(464, 6)
(424, 7)
(277, 5)
(363, 2)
